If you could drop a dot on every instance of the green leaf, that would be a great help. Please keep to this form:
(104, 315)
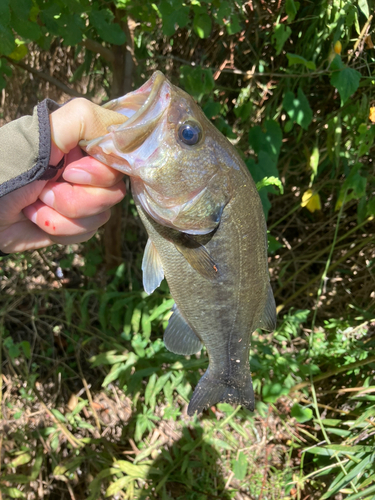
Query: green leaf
(173, 14)
(240, 466)
(355, 471)
(25, 345)
(319, 450)
(270, 181)
(202, 25)
(22, 8)
(301, 414)
(197, 82)
(110, 32)
(223, 13)
(4, 13)
(26, 29)
(345, 80)
(118, 485)
(135, 471)
(7, 43)
(163, 308)
(363, 5)
(280, 36)
(233, 26)
(58, 415)
(271, 392)
(212, 109)
(291, 8)
(314, 160)
(296, 59)
(362, 494)
(12, 492)
(267, 139)
(298, 108)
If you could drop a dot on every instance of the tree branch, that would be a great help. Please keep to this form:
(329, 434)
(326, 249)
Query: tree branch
(98, 48)
(47, 77)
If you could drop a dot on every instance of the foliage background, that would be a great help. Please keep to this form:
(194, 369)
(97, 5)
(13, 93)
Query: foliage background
(92, 404)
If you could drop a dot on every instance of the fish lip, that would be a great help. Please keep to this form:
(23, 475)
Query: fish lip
(149, 91)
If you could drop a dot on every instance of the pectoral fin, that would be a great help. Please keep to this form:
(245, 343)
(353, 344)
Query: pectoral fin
(152, 268)
(268, 321)
(179, 337)
(198, 257)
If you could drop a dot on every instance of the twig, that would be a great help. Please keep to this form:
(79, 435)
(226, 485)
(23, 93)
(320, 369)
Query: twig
(250, 74)
(98, 48)
(333, 266)
(45, 76)
(88, 393)
(69, 436)
(361, 36)
(334, 372)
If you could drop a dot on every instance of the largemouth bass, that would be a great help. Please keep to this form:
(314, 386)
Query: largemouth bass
(206, 228)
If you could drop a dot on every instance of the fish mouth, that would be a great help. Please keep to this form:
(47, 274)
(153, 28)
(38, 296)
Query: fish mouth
(144, 105)
(143, 110)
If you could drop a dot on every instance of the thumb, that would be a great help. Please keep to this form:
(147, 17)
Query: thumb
(80, 119)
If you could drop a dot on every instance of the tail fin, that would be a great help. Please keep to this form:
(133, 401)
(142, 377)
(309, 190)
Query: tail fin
(211, 390)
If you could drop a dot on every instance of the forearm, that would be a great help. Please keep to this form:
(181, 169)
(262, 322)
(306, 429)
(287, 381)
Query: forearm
(25, 148)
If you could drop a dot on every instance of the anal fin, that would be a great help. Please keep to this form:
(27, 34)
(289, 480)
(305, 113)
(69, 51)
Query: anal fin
(179, 337)
(152, 268)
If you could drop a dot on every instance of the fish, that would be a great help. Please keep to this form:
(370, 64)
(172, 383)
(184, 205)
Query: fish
(206, 230)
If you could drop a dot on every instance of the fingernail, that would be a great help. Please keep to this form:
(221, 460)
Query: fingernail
(48, 197)
(77, 176)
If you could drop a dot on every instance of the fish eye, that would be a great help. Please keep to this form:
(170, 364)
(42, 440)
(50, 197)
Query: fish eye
(190, 133)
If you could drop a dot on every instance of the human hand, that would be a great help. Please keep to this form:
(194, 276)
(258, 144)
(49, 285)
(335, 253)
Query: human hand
(71, 207)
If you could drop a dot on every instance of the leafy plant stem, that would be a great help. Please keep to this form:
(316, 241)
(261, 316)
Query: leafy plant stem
(317, 255)
(333, 266)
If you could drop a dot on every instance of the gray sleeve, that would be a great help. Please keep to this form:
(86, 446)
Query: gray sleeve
(25, 148)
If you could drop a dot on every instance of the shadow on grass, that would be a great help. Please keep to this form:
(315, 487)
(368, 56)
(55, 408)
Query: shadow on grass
(191, 469)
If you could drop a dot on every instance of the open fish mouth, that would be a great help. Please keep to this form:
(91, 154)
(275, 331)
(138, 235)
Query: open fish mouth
(143, 109)
(144, 105)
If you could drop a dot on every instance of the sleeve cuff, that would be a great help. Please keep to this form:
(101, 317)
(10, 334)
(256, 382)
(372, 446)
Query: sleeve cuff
(40, 170)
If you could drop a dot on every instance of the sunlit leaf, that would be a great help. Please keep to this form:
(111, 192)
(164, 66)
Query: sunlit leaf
(202, 25)
(240, 466)
(296, 59)
(298, 108)
(345, 79)
(291, 8)
(280, 36)
(301, 414)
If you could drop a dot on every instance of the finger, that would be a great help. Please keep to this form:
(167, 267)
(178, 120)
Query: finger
(75, 201)
(70, 240)
(56, 224)
(90, 172)
(22, 236)
(80, 119)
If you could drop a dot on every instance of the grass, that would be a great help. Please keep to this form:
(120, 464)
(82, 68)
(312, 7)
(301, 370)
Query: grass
(93, 406)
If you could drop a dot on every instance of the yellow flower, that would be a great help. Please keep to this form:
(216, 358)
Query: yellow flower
(371, 115)
(311, 201)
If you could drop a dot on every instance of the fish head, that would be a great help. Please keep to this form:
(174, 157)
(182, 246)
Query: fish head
(177, 160)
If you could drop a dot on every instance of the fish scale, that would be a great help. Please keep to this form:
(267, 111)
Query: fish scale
(206, 228)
